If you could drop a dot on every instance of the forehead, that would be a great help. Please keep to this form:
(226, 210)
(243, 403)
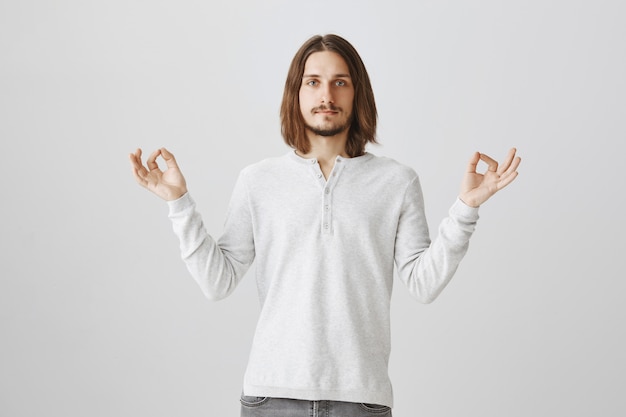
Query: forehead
(326, 63)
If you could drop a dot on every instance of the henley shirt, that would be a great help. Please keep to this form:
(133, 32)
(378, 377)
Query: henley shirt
(325, 251)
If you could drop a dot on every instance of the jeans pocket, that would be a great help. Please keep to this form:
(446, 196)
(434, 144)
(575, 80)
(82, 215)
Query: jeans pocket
(248, 401)
(375, 408)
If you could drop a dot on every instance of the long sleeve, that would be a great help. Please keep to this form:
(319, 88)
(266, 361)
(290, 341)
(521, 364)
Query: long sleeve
(217, 266)
(325, 251)
(426, 267)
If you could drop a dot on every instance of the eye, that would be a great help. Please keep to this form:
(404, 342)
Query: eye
(340, 83)
(311, 83)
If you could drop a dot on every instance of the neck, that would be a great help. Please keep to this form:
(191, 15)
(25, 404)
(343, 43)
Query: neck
(326, 149)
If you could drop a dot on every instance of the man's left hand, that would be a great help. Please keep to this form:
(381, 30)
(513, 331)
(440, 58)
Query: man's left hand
(477, 188)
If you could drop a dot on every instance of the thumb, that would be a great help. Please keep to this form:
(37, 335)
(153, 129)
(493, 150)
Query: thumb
(169, 158)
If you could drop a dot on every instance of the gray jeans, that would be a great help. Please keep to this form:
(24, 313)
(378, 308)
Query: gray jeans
(283, 407)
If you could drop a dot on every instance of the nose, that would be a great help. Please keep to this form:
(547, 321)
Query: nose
(327, 96)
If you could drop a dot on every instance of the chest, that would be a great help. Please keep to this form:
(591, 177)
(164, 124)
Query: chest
(345, 205)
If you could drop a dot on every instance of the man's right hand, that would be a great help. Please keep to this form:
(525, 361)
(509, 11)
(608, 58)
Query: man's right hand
(169, 184)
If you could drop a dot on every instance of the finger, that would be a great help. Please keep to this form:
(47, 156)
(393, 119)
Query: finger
(169, 158)
(152, 164)
(510, 174)
(507, 161)
(473, 162)
(504, 181)
(140, 178)
(492, 164)
(135, 161)
(136, 154)
(512, 167)
(138, 170)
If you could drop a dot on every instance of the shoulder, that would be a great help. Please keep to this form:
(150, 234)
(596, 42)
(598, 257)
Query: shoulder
(391, 168)
(274, 170)
(272, 164)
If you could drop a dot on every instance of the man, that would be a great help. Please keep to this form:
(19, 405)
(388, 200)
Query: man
(325, 223)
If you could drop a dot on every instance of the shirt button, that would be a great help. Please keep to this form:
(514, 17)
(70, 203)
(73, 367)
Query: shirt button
(327, 191)
(326, 226)
(313, 161)
(319, 175)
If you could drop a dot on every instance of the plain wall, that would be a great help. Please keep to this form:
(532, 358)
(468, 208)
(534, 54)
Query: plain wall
(98, 315)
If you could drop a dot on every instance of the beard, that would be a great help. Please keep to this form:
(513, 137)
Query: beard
(328, 131)
(331, 129)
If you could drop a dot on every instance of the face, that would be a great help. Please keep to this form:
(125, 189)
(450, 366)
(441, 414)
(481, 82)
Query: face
(326, 94)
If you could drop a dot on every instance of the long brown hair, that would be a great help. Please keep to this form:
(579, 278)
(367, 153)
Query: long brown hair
(363, 127)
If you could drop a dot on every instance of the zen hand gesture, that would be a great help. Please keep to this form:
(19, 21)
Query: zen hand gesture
(169, 184)
(478, 188)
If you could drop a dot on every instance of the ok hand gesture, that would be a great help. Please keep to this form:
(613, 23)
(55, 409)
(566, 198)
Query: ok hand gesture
(477, 188)
(169, 184)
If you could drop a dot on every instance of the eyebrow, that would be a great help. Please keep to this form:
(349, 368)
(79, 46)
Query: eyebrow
(318, 76)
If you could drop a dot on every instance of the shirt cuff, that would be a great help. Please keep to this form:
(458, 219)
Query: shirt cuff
(460, 210)
(181, 204)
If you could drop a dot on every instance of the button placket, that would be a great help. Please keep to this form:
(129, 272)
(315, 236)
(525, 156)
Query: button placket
(326, 211)
(327, 197)
(317, 172)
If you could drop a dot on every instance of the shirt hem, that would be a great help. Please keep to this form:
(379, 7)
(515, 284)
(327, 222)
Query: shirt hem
(353, 396)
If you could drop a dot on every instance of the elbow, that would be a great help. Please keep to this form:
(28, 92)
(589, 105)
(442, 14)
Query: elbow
(426, 294)
(216, 281)
(214, 296)
(214, 289)
(426, 287)
(217, 292)
(427, 298)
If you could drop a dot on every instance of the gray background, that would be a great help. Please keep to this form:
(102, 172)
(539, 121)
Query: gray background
(98, 316)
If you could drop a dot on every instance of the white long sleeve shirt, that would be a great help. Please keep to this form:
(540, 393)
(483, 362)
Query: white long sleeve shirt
(325, 253)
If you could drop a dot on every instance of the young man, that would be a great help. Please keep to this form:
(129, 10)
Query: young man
(326, 223)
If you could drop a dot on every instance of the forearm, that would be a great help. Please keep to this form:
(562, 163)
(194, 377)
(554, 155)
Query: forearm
(216, 270)
(428, 272)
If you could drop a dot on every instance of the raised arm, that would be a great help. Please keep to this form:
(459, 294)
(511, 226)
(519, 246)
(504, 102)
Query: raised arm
(426, 267)
(217, 268)
(169, 184)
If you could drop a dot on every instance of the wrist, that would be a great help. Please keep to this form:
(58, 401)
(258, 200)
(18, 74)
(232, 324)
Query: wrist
(470, 202)
(176, 195)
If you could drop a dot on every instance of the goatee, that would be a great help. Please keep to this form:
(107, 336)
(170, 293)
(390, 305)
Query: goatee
(329, 130)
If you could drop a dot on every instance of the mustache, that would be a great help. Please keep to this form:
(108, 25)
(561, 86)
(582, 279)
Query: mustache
(323, 107)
